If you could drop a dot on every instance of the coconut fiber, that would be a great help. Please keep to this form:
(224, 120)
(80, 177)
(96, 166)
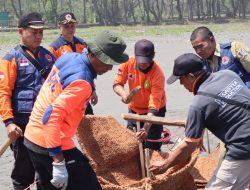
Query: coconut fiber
(114, 154)
(205, 167)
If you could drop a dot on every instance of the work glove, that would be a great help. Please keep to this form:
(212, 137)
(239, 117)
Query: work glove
(60, 175)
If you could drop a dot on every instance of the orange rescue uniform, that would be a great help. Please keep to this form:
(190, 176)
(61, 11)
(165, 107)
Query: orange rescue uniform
(61, 103)
(61, 46)
(152, 93)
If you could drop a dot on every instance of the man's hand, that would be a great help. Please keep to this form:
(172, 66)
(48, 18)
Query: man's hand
(60, 175)
(142, 135)
(125, 97)
(201, 146)
(158, 166)
(13, 131)
(119, 89)
(94, 98)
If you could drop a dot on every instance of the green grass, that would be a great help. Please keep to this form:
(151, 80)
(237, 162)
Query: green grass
(132, 31)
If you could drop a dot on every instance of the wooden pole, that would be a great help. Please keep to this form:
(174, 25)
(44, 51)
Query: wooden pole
(141, 152)
(153, 119)
(4, 146)
(208, 142)
(147, 162)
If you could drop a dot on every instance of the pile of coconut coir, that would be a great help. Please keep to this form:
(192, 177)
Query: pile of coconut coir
(114, 154)
(205, 167)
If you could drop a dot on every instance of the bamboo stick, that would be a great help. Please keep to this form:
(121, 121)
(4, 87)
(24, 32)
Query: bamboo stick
(141, 152)
(4, 146)
(147, 163)
(208, 142)
(153, 119)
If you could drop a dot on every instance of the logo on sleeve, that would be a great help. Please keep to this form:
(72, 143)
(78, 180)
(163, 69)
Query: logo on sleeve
(24, 63)
(1, 75)
(131, 76)
(225, 60)
(63, 51)
(119, 72)
(48, 57)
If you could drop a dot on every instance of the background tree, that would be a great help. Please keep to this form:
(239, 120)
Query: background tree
(113, 12)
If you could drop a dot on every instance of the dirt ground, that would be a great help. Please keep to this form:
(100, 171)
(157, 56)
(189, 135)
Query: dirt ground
(167, 48)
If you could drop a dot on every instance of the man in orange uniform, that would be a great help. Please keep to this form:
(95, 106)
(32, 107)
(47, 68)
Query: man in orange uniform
(143, 71)
(59, 109)
(22, 73)
(67, 43)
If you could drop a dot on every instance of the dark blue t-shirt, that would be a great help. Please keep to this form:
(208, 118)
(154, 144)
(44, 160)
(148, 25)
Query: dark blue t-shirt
(230, 123)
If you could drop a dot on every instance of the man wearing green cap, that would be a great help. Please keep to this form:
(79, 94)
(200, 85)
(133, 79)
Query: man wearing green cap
(58, 110)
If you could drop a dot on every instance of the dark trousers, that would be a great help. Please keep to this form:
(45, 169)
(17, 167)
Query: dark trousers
(81, 174)
(89, 110)
(23, 173)
(154, 133)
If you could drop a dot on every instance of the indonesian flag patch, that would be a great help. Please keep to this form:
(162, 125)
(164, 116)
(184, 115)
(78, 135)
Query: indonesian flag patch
(119, 72)
(1, 75)
(24, 62)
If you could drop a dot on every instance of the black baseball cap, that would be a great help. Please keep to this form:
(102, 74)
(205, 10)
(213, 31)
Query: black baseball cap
(144, 51)
(66, 17)
(185, 64)
(31, 20)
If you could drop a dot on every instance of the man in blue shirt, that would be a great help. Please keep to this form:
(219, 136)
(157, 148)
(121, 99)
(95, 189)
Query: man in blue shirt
(227, 121)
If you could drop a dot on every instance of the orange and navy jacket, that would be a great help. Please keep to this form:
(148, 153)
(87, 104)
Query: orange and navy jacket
(20, 83)
(61, 104)
(61, 46)
(152, 94)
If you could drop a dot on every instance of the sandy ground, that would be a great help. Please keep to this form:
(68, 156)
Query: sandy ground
(167, 49)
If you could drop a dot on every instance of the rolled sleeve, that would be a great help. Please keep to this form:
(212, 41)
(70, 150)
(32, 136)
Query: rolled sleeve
(242, 52)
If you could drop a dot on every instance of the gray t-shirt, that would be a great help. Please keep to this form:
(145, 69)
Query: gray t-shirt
(230, 123)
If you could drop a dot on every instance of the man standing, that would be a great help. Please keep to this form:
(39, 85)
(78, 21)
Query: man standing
(221, 104)
(67, 42)
(234, 56)
(143, 71)
(59, 109)
(23, 70)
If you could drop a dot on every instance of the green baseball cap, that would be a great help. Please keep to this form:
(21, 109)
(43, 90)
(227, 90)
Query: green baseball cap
(109, 48)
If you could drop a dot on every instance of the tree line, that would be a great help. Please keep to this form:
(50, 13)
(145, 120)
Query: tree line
(113, 12)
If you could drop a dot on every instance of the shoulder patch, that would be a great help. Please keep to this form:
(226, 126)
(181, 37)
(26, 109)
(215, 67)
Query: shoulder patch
(225, 60)
(131, 76)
